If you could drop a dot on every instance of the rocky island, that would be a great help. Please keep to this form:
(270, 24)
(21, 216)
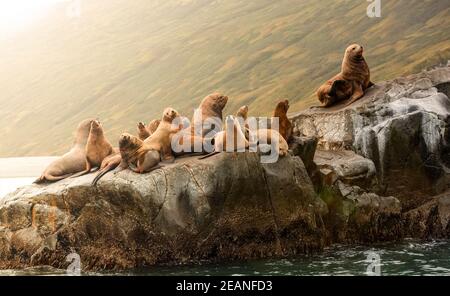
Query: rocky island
(377, 170)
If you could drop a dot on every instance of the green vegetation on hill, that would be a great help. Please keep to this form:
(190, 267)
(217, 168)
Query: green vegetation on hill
(124, 61)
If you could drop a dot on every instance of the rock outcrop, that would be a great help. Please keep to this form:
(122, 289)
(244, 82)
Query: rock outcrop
(227, 207)
(402, 126)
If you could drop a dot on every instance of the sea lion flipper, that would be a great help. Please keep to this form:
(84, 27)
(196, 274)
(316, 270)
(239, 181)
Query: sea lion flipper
(48, 177)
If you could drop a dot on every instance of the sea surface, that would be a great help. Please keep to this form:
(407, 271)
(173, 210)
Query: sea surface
(409, 257)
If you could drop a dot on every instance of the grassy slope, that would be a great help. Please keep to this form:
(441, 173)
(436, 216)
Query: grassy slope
(124, 61)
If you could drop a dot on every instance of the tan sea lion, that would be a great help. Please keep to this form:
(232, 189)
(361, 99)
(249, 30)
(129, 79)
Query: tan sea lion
(137, 156)
(73, 161)
(146, 131)
(240, 141)
(210, 107)
(123, 157)
(108, 164)
(160, 140)
(284, 124)
(351, 83)
(97, 148)
(266, 136)
(153, 125)
(143, 132)
(243, 114)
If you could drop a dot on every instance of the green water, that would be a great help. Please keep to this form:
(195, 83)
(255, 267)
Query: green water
(406, 258)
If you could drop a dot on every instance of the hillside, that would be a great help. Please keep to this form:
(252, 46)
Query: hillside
(124, 61)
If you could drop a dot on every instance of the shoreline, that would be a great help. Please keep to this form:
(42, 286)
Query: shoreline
(24, 167)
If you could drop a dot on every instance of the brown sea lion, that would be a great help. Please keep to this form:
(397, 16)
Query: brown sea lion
(143, 132)
(160, 140)
(210, 107)
(97, 148)
(284, 124)
(239, 139)
(153, 125)
(146, 131)
(108, 164)
(73, 161)
(242, 114)
(137, 156)
(123, 157)
(266, 136)
(351, 83)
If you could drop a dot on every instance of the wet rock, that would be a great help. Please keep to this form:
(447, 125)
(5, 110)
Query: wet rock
(346, 166)
(356, 215)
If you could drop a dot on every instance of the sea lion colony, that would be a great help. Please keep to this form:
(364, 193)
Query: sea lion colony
(151, 148)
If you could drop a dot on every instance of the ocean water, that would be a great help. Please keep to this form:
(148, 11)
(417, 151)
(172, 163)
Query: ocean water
(408, 258)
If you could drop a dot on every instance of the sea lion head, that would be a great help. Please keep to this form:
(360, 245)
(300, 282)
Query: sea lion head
(141, 126)
(281, 108)
(129, 142)
(96, 127)
(83, 131)
(153, 125)
(216, 102)
(242, 112)
(354, 51)
(170, 114)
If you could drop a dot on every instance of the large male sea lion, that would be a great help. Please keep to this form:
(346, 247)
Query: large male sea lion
(97, 148)
(350, 83)
(284, 124)
(210, 107)
(73, 161)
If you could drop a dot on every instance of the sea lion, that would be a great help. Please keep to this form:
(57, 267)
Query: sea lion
(160, 140)
(210, 107)
(265, 136)
(123, 158)
(284, 124)
(240, 141)
(142, 156)
(143, 132)
(108, 164)
(351, 83)
(153, 125)
(73, 161)
(97, 148)
(146, 131)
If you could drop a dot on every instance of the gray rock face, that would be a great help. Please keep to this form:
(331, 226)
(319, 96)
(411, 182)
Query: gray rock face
(229, 206)
(346, 166)
(401, 125)
(358, 215)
